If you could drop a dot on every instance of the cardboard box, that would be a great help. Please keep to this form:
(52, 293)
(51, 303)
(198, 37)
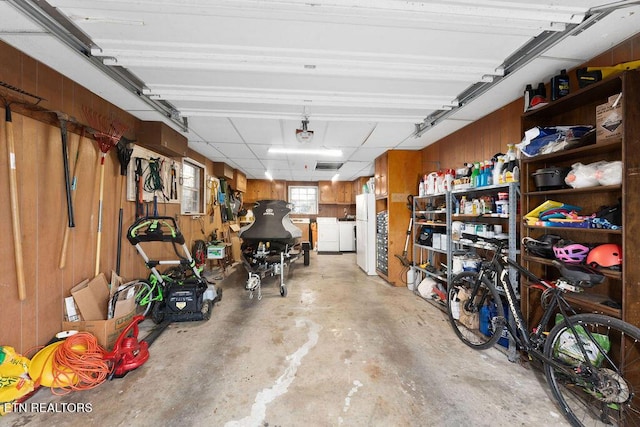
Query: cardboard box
(92, 299)
(106, 331)
(609, 120)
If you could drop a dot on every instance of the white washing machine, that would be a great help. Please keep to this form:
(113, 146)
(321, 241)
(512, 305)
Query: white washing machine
(347, 236)
(328, 234)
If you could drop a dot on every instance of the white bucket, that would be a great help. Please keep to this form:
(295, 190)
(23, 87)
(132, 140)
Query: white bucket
(411, 279)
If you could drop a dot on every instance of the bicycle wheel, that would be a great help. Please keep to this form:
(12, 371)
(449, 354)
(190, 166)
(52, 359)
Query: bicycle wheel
(469, 316)
(141, 291)
(606, 394)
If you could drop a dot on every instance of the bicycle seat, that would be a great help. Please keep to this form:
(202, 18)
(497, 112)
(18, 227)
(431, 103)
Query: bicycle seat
(579, 275)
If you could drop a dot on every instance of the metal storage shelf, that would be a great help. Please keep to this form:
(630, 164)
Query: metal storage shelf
(429, 253)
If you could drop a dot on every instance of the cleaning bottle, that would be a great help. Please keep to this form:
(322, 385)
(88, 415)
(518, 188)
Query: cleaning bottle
(511, 169)
(474, 174)
(497, 170)
(463, 205)
(560, 85)
(489, 172)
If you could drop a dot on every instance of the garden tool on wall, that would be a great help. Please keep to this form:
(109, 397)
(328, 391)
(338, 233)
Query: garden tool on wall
(63, 118)
(173, 193)
(212, 185)
(74, 186)
(124, 149)
(139, 189)
(13, 190)
(107, 134)
(226, 212)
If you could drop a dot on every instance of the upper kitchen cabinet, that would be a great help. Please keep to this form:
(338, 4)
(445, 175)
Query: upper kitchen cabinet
(260, 189)
(336, 193)
(327, 192)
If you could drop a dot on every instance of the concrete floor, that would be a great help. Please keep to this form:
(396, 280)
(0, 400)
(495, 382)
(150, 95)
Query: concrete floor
(342, 349)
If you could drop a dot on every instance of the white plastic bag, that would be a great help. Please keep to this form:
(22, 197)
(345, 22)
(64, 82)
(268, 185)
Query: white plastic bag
(582, 176)
(609, 173)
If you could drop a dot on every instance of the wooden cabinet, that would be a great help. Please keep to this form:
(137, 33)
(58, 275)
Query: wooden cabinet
(339, 192)
(344, 193)
(262, 189)
(162, 139)
(381, 174)
(239, 181)
(397, 177)
(327, 192)
(278, 190)
(619, 295)
(223, 171)
(358, 184)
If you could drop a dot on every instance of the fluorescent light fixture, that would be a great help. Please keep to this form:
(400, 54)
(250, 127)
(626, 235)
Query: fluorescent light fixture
(335, 177)
(268, 175)
(314, 151)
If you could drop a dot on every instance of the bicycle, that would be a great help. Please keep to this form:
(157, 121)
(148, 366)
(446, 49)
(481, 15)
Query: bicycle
(591, 361)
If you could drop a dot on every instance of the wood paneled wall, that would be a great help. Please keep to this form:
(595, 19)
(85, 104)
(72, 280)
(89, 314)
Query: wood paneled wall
(477, 141)
(39, 165)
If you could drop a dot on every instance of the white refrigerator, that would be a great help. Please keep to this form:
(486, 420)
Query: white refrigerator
(366, 233)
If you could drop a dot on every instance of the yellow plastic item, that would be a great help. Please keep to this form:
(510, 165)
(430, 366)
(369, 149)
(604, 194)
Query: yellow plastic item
(532, 217)
(623, 66)
(42, 371)
(12, 388)
(12, 364)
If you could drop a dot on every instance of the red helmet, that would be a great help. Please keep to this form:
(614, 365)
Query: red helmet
(607, 255)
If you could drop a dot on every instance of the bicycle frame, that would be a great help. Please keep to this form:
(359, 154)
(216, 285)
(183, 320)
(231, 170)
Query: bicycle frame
(531, 342)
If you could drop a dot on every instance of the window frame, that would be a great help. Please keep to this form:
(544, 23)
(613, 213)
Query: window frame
(199, 190)
(293, 188)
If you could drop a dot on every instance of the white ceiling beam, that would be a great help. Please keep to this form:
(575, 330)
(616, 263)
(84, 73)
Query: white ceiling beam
(313, 63)
(248, 114)
(488, 13)
(300, 97)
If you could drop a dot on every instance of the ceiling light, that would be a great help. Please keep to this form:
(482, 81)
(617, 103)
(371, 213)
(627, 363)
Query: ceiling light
(314, 151)
(335, 177)
(268, 175)
(303, 135)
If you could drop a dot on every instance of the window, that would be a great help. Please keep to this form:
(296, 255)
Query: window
(304, 199)
(192, 188)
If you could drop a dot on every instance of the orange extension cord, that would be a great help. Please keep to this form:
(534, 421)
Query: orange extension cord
(75, 370)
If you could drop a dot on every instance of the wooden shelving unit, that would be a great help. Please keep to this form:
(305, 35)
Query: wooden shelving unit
(619, 295)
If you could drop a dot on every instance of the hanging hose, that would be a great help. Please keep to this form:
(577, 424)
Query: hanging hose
(153, 181)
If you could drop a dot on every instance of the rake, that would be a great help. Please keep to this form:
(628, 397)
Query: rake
(107, 133)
